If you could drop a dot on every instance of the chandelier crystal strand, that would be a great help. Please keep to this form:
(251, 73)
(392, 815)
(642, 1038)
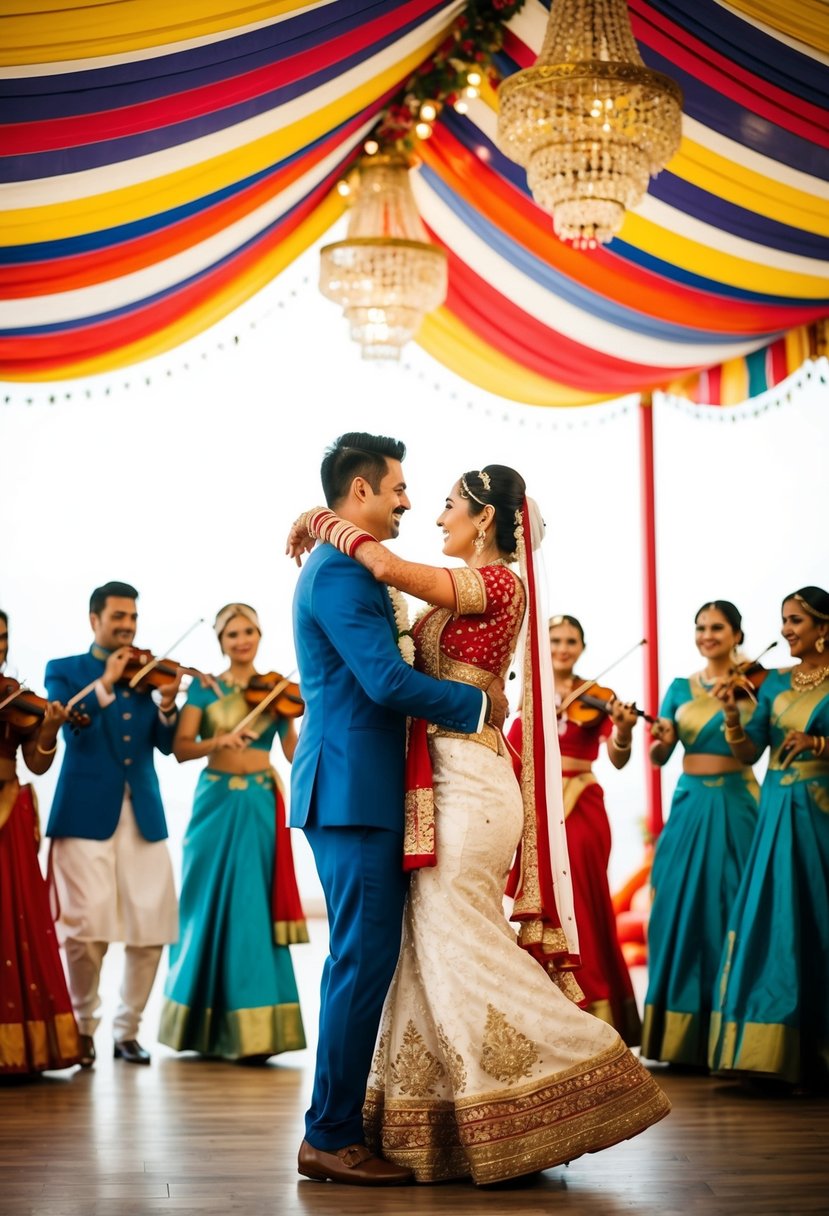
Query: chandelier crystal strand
(588, 121)
(385, 275)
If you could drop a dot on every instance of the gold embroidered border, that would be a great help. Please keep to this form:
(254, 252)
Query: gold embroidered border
(419, 833)
(679, 1038)
(770, 1049)
(470, 591)
(531, 1127)
(266, 1030)
(38, 1045)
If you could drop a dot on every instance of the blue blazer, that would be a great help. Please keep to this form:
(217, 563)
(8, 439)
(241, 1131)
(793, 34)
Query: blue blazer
(116, 749)
(348, 769)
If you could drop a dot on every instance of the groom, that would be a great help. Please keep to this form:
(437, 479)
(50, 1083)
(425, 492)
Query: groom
(347, 791)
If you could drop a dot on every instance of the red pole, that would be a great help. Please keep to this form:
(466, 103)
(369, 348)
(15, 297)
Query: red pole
(653, 776)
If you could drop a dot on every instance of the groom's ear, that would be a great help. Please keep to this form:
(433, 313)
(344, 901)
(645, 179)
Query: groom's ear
(361, 489)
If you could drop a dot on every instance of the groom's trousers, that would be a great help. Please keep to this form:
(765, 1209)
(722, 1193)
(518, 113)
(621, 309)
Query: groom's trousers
(365, 890)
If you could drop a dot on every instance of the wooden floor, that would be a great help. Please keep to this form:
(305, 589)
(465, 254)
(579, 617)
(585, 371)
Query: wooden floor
(189, 1136)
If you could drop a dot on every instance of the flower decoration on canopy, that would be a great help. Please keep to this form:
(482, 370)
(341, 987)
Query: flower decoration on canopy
(452, 76)
(588, 121)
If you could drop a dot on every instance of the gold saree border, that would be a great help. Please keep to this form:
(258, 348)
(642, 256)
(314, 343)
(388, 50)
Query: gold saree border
(503, 1134)
(770, 1049)
(676, 1037)
(267, 1030)
(35, 1046)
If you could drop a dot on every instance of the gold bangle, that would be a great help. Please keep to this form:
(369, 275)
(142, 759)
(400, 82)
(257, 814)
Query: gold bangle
(820, 745)
(46, 751)
(735, 734)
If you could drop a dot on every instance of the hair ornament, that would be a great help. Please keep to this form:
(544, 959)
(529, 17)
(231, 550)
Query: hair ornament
(467, 493)
(813, 612)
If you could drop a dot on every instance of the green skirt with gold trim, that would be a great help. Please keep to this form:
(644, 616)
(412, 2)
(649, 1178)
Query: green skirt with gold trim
(231, 990)
(696, 874)
(771, 1001)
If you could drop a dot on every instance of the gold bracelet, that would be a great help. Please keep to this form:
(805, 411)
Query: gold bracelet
(820, 745)
(46, 751)
(735, 734)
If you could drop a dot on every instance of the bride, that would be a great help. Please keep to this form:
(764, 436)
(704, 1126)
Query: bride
(484, 1066)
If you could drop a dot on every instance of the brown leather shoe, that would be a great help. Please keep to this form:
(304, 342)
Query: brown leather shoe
(87, 1044)
(131, 1051)
(355, 1165)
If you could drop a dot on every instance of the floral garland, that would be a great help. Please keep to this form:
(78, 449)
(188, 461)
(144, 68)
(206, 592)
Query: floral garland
(405, 641)
(451, 76)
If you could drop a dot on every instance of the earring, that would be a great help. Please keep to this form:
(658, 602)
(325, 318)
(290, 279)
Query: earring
(820, 645)
(480, 541)
(735, 651)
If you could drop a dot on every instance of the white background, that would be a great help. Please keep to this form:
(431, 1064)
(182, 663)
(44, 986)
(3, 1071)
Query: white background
(181, 476)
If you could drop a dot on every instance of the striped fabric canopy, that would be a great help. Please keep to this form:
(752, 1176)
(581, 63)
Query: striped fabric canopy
(161, 162)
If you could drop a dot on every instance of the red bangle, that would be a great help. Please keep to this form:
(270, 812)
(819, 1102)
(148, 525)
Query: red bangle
(360, 539)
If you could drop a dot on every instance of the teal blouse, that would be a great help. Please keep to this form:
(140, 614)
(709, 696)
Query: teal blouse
(782, 708)
(221, 714)
(699, 717)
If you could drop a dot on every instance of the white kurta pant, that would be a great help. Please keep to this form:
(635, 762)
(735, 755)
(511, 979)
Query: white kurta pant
(115, 890)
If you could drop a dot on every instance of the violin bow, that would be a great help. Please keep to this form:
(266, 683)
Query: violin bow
(263, 704)
(159, 658)
(577, 692)
(87, 688)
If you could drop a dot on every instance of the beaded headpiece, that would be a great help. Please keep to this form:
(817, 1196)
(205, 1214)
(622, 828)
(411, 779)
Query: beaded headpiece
(813, 612)
(485, 482)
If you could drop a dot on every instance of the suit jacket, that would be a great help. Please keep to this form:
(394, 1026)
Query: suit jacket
(115, 750)
(348, 769)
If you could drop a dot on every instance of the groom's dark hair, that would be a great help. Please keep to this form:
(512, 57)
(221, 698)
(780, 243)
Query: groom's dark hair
(357, 454)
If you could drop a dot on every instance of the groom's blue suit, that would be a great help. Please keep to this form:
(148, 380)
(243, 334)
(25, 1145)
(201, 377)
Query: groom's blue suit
(347, 793)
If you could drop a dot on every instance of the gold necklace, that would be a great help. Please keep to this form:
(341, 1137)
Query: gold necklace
(809, 679)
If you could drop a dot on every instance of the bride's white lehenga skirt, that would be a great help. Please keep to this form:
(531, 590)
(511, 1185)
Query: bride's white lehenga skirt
(483, 1067)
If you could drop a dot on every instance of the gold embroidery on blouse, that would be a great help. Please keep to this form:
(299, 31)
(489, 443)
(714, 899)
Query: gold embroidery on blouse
(453, 1060)
(415, 1070)
(507, 1053)
(470, 591)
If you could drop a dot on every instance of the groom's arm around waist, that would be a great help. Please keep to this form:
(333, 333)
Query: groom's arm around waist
(350, 608)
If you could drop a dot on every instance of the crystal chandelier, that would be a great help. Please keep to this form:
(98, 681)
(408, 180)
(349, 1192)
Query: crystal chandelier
(588, 121)
(385, 274)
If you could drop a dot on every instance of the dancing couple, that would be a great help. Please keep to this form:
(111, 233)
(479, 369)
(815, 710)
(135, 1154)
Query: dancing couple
(449, 1047)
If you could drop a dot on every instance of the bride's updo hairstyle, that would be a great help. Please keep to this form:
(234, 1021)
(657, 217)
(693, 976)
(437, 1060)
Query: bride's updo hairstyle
(500, 487)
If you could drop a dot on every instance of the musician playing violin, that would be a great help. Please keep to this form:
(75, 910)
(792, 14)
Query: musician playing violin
(239, 898)
(32, 985)
(703, 848)
(603, 976)
(111, 865)
(771, 995)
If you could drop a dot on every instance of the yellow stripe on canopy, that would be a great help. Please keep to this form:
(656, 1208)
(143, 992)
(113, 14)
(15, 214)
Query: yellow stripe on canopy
(715, 264)
(75, 217)
(449, 341)
(212, 310)
(801, 19)
(54, 31)
(742, 186)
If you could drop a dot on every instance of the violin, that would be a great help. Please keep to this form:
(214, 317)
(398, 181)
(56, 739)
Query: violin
(145, 672)
(24, 709)
(746, 677)
(285, 703)
(586, 708)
